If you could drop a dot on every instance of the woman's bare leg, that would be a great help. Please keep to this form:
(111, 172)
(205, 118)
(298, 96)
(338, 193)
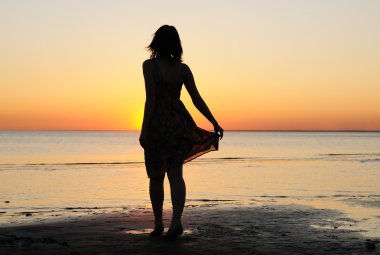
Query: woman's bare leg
(156, 192)
(178, 193)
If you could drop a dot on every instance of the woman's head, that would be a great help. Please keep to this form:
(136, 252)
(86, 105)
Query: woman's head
(166, 43)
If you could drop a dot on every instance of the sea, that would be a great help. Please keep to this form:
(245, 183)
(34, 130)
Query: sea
(58, 174)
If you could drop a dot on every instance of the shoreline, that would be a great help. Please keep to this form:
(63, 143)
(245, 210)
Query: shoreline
(263, 229)
(228, 130)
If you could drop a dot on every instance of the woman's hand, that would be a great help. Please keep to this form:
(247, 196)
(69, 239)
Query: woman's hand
(218, 130)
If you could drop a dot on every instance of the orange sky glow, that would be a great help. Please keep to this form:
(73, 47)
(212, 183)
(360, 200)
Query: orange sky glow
(259, 65)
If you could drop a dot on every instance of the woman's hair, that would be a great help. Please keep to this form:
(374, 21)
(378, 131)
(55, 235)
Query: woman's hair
(166, 43)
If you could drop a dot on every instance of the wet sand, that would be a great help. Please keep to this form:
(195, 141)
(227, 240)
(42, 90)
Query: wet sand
(209, 229)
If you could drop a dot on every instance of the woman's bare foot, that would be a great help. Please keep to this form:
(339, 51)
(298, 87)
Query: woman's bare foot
(174, 232)
(158, 229)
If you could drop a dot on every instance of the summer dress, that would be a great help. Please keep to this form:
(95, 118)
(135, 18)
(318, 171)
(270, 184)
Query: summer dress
(173, 137)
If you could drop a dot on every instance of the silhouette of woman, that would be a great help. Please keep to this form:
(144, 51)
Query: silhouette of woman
(169, 135)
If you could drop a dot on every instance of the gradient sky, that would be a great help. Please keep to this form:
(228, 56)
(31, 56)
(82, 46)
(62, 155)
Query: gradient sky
(277, 65)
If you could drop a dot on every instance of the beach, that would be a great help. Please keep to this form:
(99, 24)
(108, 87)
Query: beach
(261, 193)
(209, 229)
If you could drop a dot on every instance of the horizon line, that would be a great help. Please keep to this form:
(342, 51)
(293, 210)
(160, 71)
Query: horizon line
(227, 130)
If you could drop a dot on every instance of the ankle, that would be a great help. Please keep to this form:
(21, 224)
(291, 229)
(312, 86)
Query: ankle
(158, 222)
(175, 224)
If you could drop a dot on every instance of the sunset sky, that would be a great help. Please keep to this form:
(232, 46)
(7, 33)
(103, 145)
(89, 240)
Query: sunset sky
(259, 65)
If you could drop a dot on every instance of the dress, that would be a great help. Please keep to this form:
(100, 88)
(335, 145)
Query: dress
(173, 137)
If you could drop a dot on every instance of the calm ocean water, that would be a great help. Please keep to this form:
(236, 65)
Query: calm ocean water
(50, 173)
(67, 149)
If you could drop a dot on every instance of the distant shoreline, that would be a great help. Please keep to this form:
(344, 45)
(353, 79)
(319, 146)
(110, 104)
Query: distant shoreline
(137, 131)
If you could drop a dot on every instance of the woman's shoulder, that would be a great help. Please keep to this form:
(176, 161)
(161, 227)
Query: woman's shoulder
(148, 62)
(186, 71)
(185, 67)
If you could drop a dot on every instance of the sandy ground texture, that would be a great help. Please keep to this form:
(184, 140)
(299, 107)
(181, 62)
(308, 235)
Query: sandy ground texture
(275, 229)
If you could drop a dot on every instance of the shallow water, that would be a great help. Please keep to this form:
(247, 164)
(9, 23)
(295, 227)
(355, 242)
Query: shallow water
(60, 174)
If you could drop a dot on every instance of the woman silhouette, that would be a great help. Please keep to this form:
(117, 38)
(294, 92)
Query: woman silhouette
(169, 135)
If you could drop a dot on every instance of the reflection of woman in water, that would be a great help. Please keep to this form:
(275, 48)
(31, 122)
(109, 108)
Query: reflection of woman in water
(169, 135)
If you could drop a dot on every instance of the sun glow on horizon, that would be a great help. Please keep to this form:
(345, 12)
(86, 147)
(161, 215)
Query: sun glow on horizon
(259, 65)
(138, 116)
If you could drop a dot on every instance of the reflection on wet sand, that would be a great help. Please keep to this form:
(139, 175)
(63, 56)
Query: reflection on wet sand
(270, 229)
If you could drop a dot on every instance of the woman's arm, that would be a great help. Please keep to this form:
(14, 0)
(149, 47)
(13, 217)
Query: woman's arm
(198, 101)
(150, 97)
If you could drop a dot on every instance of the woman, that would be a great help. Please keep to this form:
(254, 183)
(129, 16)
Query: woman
(169, 135)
